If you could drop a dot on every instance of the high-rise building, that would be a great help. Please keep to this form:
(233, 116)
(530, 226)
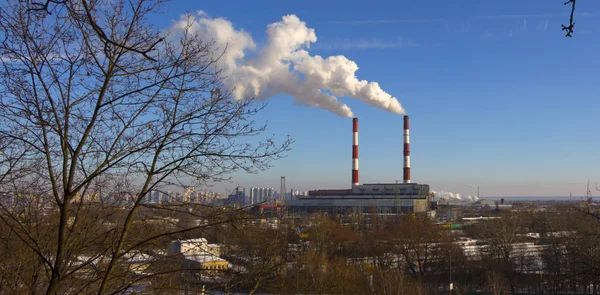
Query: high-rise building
(156, 198)
(252, 196)
(241, 193)
(238, 196)
(187, 195)
(152, 197)
(260, 195)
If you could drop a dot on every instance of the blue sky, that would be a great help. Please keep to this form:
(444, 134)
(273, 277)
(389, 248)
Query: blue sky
(496, 94)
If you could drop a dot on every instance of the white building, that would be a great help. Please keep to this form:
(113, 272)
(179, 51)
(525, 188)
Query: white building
(155, 197)
(252, 197)
(194, 247)
(200, 255)
(187, 195)
(260, 195)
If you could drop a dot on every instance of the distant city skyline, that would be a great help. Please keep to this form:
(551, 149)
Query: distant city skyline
(576, 189)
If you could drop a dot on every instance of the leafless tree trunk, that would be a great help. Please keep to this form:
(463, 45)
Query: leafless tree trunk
(500, 236)
(496, 283)
(95, 101)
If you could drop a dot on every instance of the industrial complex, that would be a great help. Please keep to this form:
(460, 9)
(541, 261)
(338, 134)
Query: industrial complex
(405, 197)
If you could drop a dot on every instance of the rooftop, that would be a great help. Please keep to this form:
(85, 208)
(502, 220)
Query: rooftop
(203, 258)
(194, 241)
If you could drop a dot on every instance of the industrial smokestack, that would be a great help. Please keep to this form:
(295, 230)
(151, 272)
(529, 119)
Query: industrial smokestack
(406, 151)
(354, 152)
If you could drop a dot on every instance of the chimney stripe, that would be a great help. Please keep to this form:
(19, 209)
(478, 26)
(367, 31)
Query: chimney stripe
(406, 170)
(354, 151)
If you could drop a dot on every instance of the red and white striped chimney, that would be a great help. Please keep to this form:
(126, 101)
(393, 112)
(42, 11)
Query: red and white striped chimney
(354, 152)
(406, 151)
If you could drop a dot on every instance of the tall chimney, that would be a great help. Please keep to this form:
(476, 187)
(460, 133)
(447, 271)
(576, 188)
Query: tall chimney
(406, 151)
(354, 152)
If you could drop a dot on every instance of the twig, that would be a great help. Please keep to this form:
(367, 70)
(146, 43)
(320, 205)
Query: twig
(569, 28)
(43, 6)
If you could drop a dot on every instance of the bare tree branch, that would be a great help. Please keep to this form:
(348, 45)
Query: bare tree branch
(569, 28)
(44, 7)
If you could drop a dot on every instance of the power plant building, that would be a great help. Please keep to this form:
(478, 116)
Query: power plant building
(405, 197)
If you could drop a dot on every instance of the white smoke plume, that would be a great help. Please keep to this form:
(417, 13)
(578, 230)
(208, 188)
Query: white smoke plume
(284, 66)
(455, 196)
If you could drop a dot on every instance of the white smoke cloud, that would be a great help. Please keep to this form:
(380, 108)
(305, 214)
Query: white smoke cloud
(455, 196)
(284, 66)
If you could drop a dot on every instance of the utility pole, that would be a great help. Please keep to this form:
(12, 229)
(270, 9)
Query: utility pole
(570, 196)
(588, 197)
(282, 190)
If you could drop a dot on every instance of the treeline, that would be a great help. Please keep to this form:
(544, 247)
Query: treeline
(550, 252)
(555, 251)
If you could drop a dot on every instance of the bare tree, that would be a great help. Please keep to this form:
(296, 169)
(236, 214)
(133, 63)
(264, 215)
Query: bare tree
(501, 237)
(421, 244)
(496, 283)
(97, 104)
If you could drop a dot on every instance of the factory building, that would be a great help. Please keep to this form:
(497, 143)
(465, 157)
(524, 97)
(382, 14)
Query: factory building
(405, 197)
